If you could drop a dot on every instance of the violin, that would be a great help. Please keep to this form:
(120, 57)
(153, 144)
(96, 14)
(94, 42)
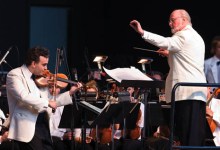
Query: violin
(211, 122)
(48, 79)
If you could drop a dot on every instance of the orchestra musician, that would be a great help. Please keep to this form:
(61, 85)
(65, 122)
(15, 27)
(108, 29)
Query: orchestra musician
(29, 106)
(100, 139)
(91, 86)
(132, 138)
(61, 136)
(5, 143)
(213, 113)
(212, 64)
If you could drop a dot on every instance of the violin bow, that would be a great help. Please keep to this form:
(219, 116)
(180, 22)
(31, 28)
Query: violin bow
(55, 75)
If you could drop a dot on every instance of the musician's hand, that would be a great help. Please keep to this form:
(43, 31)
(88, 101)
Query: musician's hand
(54, 91)
(75, 88)
(209, 112)
(52, 104)
(68, 135)
(4, 137)
(137, 27)
(88, 139)
(163, 52)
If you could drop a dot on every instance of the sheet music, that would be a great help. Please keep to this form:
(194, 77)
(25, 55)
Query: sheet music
(132, 73)
(92, 107)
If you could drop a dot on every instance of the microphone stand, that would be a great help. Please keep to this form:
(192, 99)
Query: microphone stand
(6, 54)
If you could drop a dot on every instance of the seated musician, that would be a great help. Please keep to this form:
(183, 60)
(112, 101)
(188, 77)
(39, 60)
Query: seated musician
(5, 143)
(62, 137)
(157, 93)
(132, 139)
(89, 144)
(213, 115)
(4, 132)
(135, 98)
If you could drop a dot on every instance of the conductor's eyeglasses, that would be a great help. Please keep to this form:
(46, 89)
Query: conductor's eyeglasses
(172, 20)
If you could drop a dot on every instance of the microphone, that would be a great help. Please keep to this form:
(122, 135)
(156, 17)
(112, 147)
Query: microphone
(75, 74)
(100, 69)
(61, 56)
(143, 67)
(6, 54)
(99, 66)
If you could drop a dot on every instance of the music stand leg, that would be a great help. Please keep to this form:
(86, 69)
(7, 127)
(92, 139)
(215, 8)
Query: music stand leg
(83, 130)
(113, 131)
(97, 137)
(73, 143)
(143, 137)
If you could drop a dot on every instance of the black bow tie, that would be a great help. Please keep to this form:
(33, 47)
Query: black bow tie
(218, 63)
(33, 76)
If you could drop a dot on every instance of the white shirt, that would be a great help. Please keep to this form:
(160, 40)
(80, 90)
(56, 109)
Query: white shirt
(140, 123)
(215, 107)
(55, 121)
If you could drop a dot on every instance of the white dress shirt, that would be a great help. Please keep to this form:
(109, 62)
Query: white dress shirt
(211, 69)
(139, 123)
(54, 123)
(215, 107)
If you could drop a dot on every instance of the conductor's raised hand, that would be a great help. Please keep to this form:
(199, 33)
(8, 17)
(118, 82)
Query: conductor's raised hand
(137, 27)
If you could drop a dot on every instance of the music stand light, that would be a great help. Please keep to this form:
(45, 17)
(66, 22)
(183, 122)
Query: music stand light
(144, 61)
(99, 60)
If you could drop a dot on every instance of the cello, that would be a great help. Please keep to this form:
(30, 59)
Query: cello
(134, 133)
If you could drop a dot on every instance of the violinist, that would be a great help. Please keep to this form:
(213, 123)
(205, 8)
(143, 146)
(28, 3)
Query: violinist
(213, 112)
(29, 105)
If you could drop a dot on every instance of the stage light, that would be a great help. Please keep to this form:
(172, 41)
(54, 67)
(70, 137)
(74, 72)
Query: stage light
(144, 61)
(99, 60)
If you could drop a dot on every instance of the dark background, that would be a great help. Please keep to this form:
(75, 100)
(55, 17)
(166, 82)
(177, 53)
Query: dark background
(101, 27)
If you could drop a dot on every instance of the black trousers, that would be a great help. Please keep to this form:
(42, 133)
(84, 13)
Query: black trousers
(9, 145)
(130, 144)
(190, 122)
(59, 144)
(42, 139)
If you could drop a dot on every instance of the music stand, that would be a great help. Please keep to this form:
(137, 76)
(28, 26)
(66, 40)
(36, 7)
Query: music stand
(130, 115)
(115, 113)
(144, 84)
(78, 117)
